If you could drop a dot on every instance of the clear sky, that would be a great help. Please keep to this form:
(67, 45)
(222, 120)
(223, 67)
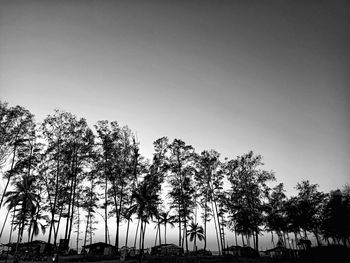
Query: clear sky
(267, 76)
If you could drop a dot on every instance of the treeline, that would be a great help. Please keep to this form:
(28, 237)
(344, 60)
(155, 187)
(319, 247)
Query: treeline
(61, 176)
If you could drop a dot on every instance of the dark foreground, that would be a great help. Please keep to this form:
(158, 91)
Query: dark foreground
(314, 255)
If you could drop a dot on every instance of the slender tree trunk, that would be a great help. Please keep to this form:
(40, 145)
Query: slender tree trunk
(218, 223)
(136, 233)
(179, 227)
(140, 238)
(10, 174)
(216, 229)
(74, 195)
(35, 221)
(106, 200)
(254, 240)
(156, 237)
(3, 225)
(205, 221)
(165, 233)
(160, 236)
(91, 230)
(78, 227)
(69, 205)
(143, 236)
(235, 235)
(58, 226)
(86, 228)
(195, 242)
(185, 233)
(56, 195)
(127, 233)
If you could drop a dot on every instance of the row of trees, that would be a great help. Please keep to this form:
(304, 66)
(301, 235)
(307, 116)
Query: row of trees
(60, 176)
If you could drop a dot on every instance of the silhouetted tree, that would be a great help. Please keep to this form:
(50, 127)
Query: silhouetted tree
(195, 232)
(181, 163)
(248, 191)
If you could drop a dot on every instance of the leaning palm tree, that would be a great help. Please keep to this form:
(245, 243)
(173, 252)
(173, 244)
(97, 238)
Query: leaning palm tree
(24, 197)
(38, 222)
(166, 219)
(195, 232)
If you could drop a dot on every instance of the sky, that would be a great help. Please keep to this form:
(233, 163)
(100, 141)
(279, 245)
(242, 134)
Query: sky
(234, 76)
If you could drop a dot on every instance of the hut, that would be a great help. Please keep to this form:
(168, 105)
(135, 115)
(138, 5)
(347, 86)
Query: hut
(100, 249)
(166, 249)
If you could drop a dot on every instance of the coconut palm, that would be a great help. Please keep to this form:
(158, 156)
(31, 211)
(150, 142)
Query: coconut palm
(146, 204)
(195, 232)
(25, 197)
(166, 219)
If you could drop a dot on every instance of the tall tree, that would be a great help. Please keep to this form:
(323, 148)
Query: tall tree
(310, 204)
(248, 190)
(276, 212)
(209, 178)
(146, 205)
(56, 131)
(181, 168)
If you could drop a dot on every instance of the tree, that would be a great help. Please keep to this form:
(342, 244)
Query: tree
(209, 178)
(16, 123)
(115, 167)
(276, 212)
(25, 197)
(146, 204)
(181, 168)
(195, 232)
(158, 170)
(248, 189)
(336, 215)
(310, 205)
(166, 219)
(57, 133)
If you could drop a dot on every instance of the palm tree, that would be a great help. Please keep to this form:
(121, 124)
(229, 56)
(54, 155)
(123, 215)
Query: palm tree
(24, 196)
(146, 204)
(37, 223)
(166, 219)
(195, 232)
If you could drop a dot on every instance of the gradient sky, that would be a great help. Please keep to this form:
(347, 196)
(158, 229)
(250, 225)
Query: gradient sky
(267, 76)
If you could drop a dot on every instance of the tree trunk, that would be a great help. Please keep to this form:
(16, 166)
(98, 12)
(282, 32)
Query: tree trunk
(106, 200)
(58, 226)
(10, 174)
(236, 235)
(127, 233)
(86, 229)
(205, 224)
(185, 233)
(160, 236)
(3, 226)
(78, 228)
(56, 195)
(136, 233)
(156, 237)
(216, 230)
